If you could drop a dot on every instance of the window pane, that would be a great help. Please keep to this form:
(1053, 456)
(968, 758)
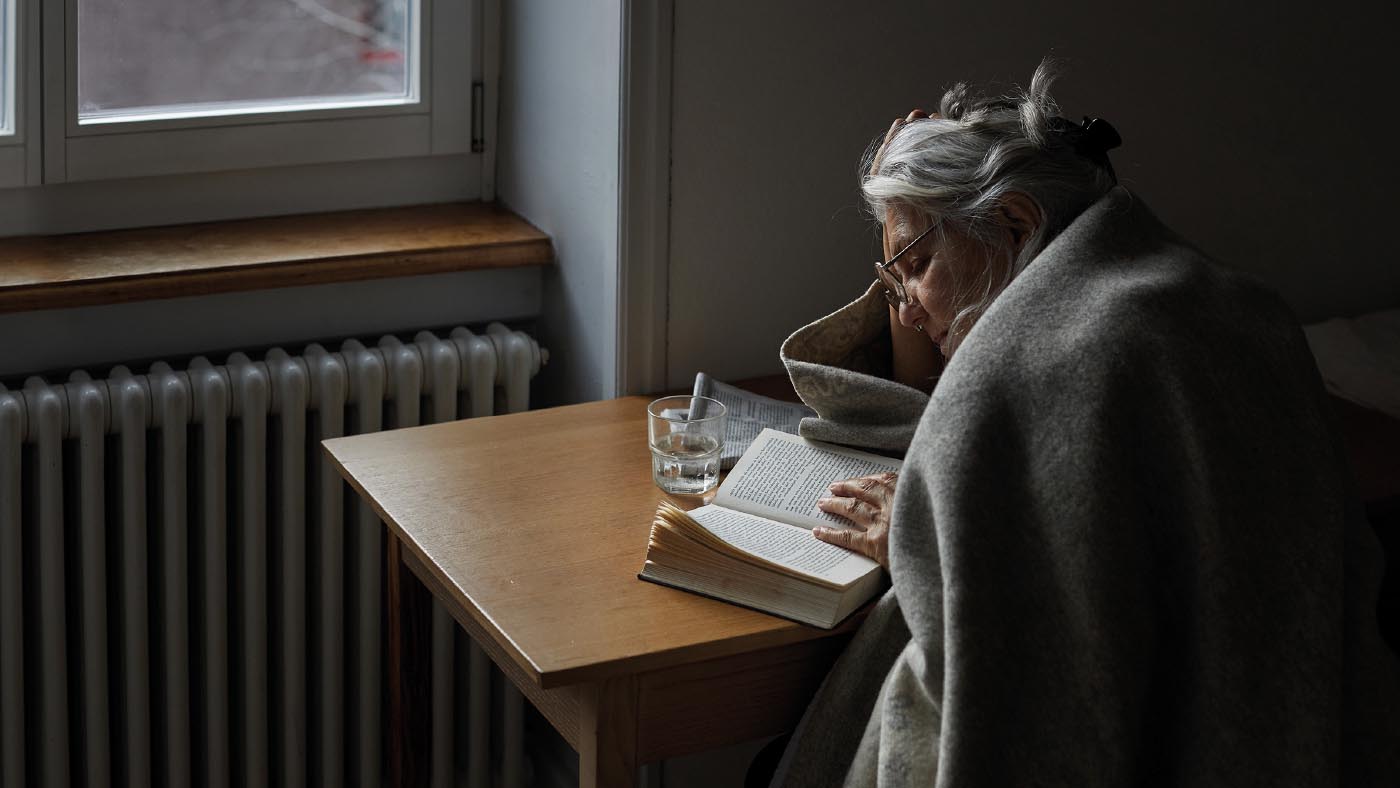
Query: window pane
(143, 58)
(7, 66)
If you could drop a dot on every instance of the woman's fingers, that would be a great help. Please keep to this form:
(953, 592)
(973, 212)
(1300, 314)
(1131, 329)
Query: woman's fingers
(894, 127)
(889, 135)
(864, 500)
(880, 154)
(873, 546)
(862, 513)
(844, 537)
(876, 488)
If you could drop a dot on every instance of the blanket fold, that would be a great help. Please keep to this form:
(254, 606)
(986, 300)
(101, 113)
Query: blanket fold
(840, 367)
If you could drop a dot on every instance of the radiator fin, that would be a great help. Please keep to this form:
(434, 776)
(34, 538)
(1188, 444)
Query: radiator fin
(50, 712)
(171, 409)
(90, 420)
(12, 575)
(211, 407)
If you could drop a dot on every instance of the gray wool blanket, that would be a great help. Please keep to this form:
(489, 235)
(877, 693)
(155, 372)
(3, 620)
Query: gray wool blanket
(1124, 550)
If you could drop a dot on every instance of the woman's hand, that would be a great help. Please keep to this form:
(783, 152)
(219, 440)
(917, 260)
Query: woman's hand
(889, 135)
(865, 501)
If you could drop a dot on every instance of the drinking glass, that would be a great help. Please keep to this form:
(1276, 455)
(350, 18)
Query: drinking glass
(686, 435)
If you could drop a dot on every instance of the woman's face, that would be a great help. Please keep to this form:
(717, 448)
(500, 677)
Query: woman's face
(931, 271)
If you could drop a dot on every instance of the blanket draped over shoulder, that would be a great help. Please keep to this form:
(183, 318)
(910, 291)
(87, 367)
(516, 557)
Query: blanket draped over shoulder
(1124, 549)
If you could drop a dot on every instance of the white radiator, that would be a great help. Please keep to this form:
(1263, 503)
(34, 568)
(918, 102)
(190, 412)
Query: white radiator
(189, 595)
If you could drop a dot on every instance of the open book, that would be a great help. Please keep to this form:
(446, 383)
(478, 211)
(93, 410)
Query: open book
(753, 546)
(749, 414)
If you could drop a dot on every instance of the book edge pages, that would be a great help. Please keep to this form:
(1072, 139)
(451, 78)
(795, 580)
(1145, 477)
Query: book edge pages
(736, 553)
(750, 605)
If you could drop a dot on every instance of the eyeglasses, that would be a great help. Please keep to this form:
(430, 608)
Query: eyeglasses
(895, 293)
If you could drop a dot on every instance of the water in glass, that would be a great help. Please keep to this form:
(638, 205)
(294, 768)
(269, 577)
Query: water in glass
(685, 464)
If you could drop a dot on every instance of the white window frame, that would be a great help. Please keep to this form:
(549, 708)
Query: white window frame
(435, 124)
(7, 67)
(19, 162)
(120, 163)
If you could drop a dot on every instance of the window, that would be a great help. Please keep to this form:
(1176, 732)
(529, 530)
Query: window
(217, 58)
(104, 96)
(7, 68)
(156, 87)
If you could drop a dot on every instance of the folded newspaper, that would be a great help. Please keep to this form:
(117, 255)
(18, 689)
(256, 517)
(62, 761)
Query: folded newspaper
(749, 413)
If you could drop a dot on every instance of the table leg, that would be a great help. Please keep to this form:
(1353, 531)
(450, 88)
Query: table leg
(607, 747)
(394, 662)
(397, 695)
(409, 637)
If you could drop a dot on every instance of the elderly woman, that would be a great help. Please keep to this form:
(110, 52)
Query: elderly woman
(1123, 547)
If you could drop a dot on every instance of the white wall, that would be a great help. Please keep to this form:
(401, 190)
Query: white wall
(1258, 132)
(558, 167)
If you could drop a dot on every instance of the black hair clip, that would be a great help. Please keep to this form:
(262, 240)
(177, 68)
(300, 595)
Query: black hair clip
(1093, 139)
(1099, 136)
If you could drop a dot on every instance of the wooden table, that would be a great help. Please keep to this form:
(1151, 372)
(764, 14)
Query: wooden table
(530, 528)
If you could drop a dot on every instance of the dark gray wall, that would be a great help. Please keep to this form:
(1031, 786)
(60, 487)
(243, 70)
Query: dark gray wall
(97, 337)
(1258, 132)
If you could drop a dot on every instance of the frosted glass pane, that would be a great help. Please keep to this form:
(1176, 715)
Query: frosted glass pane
(7, 66)
(216, 56)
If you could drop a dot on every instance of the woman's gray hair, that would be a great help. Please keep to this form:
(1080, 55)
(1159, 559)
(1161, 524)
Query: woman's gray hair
(958, 168)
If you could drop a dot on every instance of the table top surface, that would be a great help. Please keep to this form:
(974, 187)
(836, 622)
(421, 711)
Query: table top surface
(538, 522)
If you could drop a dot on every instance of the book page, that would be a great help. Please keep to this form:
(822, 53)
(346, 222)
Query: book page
(781, 477)
(749, 414)
(786, 545)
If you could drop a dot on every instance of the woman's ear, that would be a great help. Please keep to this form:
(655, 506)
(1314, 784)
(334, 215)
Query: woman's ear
(1022, 217)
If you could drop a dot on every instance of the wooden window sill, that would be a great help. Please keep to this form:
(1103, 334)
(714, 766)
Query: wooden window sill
(55, 272)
